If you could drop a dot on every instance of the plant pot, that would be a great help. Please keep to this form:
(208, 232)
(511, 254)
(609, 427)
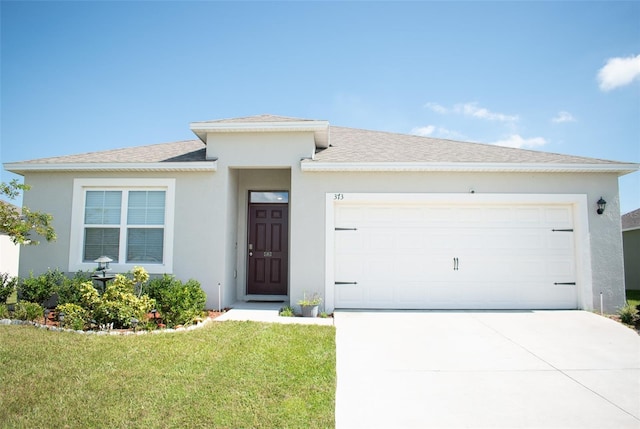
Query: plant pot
(309, 310)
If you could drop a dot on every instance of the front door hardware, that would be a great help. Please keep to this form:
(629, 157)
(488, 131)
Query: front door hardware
(456, 264)
(346, 229)
(566, 283)
(346, 283)
(562, 230)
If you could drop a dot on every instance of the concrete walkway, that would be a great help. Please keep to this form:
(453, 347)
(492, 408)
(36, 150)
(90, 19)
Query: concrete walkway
(267, 312)
(530, 369)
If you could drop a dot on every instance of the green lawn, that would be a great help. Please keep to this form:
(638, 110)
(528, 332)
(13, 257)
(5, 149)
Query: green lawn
(227, 375)
(633, 297)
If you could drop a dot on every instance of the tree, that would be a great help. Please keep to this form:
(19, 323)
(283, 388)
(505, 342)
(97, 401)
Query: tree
(21, 225)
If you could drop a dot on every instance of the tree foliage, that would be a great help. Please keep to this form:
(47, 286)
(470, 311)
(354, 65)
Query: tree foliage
(21, 226)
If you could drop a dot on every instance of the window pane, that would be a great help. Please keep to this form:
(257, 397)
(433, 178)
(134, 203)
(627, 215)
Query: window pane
(102, 208)
(269, 197)
(146, 208)
(145, 245)
(101, 242)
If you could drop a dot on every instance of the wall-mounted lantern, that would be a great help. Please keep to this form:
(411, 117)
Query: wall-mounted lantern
(601, 205)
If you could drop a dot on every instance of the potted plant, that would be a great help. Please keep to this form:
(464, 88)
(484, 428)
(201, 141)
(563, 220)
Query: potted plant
(309, 305)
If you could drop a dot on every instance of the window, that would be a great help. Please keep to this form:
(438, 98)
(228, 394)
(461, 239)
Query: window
(131, 223)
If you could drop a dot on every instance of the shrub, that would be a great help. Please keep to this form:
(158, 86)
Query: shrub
(7, 286)
(118, 304)
(75, 317)
(39, 289)
(4, 311)
(178, 303)
(70, 289)
(26, 310)
(628, 314)
(287, 311)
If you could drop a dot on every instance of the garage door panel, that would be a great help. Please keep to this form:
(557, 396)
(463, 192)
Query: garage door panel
(421, 256)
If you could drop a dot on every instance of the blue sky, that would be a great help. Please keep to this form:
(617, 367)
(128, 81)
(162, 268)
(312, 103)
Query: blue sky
(555, 76)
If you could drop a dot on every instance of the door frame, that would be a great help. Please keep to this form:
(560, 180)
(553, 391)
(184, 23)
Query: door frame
(265, 297)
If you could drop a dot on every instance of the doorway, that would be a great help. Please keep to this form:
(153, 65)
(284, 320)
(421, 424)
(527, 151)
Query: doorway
(268, 245)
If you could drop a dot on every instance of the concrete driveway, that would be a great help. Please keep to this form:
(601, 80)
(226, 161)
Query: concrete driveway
(529, 369)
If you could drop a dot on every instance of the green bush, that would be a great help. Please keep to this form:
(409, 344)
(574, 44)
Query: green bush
(75, 317)
(70, 291)
(178, 303)
(7, 286)
(118, 304)
(287, 311)
(628, 314)
(4, 311)
(40, 288)
(26, 310)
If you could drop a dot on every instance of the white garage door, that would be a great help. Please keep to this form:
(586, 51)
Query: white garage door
(426, 256)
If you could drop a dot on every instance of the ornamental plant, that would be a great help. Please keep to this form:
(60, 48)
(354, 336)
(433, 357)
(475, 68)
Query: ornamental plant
(7, 286)
(179, 303)
(119, 303)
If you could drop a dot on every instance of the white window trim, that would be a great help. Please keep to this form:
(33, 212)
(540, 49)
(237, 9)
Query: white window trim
(76, 242)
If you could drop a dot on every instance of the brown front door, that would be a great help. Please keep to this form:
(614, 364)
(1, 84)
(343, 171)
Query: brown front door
(268, 249)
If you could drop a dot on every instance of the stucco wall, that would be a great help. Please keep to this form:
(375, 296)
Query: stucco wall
(197, 208)
(631, 240)
(210, 212)
(308, 211)
(9, 256)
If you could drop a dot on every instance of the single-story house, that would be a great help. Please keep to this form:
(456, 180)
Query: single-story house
(270, 208)
(631, 246)
(9, 252)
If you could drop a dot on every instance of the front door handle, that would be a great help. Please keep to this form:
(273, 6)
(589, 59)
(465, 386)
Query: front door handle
(250, 253)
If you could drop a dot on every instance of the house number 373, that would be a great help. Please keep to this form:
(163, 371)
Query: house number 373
(338, 197)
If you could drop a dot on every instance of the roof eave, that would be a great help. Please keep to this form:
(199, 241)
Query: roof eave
(620, 169)
(320, 129)
(21, 168)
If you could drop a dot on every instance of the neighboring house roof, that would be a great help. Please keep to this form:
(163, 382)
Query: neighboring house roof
(631, 220)
(338, 149)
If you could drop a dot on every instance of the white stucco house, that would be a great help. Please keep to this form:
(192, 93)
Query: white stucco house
(9, 253)
(269, 207)
(631, 247)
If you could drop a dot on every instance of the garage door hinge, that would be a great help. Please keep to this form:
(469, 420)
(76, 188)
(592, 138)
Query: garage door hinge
(346, 229)
(567, 283)
(562, 230)
(346, 283)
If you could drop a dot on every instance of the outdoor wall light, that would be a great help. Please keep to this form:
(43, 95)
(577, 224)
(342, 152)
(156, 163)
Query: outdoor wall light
(601, 205)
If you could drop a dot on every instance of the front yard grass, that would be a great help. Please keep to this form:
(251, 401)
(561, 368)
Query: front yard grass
(227, 375)
(633, 297)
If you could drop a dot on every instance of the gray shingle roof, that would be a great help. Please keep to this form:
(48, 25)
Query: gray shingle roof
(347, 146)
(182, 151)
(356, 145)
(631, 220)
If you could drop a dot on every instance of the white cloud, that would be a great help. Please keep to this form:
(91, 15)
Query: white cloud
(517, 141)
(436, 108)
(619, 72)
(472, 109)
(563, 116)
(423, 131)
(440, 132)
